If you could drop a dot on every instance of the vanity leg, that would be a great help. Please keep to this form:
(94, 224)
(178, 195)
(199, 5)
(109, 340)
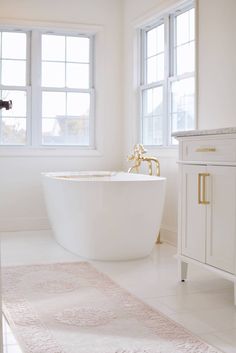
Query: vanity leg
(183, 271)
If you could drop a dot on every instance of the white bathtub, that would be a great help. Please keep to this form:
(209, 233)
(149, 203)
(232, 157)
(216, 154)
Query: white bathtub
(105, 215)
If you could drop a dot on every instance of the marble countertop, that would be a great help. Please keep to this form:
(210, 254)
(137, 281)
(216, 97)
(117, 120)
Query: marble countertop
(227, 130)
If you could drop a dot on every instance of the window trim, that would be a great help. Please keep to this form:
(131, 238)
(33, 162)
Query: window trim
(89, 90)
(26, 88)
(166, 17)
(34, 125)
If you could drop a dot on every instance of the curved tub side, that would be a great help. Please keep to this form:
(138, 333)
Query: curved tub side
(105, 220)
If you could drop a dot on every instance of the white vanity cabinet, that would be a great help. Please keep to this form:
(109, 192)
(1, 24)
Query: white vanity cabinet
(207, 201)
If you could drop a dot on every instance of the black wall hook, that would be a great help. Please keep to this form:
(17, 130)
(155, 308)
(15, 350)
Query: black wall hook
(5, 104)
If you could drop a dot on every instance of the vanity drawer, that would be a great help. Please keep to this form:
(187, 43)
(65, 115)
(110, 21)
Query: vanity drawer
(210, 150)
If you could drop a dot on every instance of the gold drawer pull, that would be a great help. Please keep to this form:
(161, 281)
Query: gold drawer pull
(206, 149)
(202, 189)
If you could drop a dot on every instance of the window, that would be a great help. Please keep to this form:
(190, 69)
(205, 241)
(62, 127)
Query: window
(13, 80)
(49, 78)
(167, 87)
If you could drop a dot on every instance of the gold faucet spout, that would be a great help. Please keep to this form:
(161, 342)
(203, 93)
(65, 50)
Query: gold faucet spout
(156, 162)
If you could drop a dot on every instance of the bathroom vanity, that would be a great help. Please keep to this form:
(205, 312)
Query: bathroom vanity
(207, 201)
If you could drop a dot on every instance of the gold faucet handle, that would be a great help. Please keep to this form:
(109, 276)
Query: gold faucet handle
(130, 158)
(139, 148)
(137, 153)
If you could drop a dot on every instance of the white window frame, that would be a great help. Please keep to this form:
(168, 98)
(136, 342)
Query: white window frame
(26, 88)
(170, 76)
(34, 145)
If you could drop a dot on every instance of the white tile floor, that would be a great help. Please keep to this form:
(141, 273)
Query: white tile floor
(204, 304)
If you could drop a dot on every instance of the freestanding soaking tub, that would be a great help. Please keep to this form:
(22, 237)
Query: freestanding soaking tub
(105, 215)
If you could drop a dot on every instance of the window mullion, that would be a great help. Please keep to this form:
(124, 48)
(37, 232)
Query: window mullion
(153, 85)
(63, 89)
(36, 127)
(182, 76)
(140, 92)
(166, 77)
(91, 62)
(144, 58)
(0, 57)
(172, 41)
(0, 86)
(172, 71)
(28, 89)
(92, 139)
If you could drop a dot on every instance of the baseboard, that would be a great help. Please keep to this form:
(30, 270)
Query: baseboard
(21, 224)
(169, 235)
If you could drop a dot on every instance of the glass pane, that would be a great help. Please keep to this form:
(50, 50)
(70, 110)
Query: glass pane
(152, 42)
(160, 38)
(185, 58)
(152, 70)
(155, 41)
(18, 103)
(13, 131)
(153, 101)
(78, 104)
(13, 73)
(155, 68)
(77, 49)
(152, 131)
(157, 130)
(147, 131)
(153, 116)
(147, 102)
(13, 45)
(192, 24)
(54, 104)
(53, 74)
(182, 28)
(77, 75)
(176, 126)
(182, 105)
(53, 47)
(157, 101)
(160, 67)
(64, 131)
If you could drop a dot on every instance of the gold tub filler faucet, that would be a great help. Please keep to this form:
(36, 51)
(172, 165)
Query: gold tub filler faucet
(138, 157)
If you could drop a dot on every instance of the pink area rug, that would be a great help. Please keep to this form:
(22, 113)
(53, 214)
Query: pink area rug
(72, 308)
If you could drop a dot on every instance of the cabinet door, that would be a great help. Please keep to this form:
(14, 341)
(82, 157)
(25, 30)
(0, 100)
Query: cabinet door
(193, 219)
(221, 218)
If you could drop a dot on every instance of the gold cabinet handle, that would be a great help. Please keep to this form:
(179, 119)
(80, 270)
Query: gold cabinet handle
(204, 201)
(206, 149)
(199, 188)
(202, 189)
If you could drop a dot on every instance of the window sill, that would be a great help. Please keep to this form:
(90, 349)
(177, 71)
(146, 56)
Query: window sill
(163, 151)
(48, 152)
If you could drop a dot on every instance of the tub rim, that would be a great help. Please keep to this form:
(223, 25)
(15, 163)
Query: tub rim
(101, 176)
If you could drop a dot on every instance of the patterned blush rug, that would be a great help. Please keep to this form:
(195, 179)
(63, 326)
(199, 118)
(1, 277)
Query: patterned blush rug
(72, 308)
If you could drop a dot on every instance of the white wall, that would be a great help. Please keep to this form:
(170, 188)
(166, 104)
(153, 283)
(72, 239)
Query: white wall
(217, 58)
(21, 198)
